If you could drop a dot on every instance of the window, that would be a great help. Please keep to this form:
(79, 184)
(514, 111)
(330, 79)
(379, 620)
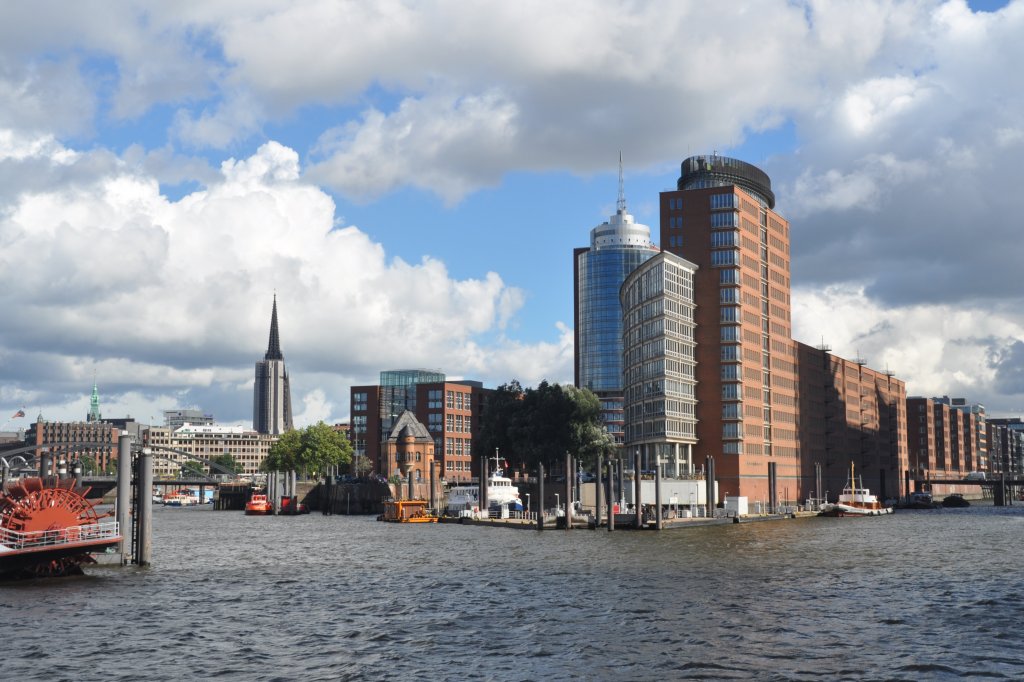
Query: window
(730, 430)
(723, 201)
(726, 238)
(730, 372)
(729, 313)
(730, 219)
(729, 276)
(728, 257)
(730, 333)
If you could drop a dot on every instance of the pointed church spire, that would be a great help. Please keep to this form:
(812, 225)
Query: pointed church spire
(274, 347)
(622, 189)
(94, 402)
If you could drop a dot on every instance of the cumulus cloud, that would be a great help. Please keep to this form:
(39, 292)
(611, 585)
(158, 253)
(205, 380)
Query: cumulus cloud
(936, 349)
(175, 295)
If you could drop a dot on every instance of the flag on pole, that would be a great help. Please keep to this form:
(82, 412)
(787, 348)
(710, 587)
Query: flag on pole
(19, 413)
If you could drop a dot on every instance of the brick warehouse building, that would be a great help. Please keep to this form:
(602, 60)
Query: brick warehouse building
(449, 409)
(750, 393)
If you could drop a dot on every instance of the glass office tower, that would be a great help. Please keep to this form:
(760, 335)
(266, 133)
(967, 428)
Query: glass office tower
(617, 247)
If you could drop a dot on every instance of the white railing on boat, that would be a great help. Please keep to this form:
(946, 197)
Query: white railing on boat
(12, 539)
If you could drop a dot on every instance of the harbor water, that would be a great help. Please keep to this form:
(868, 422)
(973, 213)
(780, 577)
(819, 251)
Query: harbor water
(916, 595)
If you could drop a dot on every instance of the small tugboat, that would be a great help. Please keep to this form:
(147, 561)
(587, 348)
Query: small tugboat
(855, 501)
(955, 500)
(258, 505)
(407, 511)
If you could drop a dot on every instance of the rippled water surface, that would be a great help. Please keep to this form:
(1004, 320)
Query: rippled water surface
(918, 595)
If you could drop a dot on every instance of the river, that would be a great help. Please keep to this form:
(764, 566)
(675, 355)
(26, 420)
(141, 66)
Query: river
(917, 595)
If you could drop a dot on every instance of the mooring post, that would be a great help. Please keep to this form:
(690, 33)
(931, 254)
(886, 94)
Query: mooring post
(611, 496)
(540, 497)
(144, 508)
(433, 486)
(568, 491)
(485, 473)
(621, 475)
(123, 503)
(77, 471)
(598, 490)
(657, 492)
(710, 496)
(637, 502)
(328, 480)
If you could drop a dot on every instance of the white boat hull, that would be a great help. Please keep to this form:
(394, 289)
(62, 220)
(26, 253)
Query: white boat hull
(840, 509)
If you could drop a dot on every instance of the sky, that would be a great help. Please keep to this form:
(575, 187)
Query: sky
(410, 179)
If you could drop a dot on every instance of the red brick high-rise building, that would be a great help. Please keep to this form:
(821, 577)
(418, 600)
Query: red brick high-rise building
(753, 405)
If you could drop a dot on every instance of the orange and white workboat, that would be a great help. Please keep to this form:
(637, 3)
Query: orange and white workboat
(407, 511)
(855, 500)
(258, 505)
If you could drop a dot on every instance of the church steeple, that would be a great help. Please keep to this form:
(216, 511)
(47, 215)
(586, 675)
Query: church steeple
(94, 403)
(274, 347)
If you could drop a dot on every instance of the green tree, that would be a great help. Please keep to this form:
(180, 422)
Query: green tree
(310, 450)
(539, 425)
(227, 461)
(193, 468)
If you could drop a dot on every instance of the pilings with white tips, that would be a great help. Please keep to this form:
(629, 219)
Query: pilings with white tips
(144, 509)
(123, 502)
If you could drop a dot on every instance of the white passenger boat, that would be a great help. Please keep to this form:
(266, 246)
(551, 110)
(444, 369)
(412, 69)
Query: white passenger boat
(855, 500)
(464, 500)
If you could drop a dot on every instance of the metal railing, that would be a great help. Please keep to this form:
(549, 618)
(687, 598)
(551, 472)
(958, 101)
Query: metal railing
(12, 539)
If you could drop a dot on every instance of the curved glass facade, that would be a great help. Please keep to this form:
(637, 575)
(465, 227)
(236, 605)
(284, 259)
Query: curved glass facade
(599, 324)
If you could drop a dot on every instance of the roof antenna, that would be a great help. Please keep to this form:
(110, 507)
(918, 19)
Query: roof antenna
(622, 189)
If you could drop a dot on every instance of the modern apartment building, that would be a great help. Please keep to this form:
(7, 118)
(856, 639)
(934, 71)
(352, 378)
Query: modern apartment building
(659, 362)
(1005, 439)
(271, 395)
(450, 410)
(850, 413)
(172, 449)
(721, 218)
(942, 437)
(616, 248)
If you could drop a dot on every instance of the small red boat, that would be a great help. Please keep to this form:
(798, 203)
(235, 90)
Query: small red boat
(258, 505)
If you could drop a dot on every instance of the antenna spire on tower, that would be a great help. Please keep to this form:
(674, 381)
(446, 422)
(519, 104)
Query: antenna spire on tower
(622, 189)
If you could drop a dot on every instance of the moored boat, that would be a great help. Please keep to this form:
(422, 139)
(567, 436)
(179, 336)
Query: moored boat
(855, 500)
(258, 505)
(920, 500)
(181, 498)
(407, 511)
(464, 500)
(955, 500)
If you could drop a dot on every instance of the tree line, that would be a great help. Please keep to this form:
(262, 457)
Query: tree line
(531, 426)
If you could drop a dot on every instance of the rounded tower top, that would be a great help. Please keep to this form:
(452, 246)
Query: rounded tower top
(718, 171)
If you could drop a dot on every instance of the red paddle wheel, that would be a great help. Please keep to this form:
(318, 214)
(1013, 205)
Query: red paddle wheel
(49, 517)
